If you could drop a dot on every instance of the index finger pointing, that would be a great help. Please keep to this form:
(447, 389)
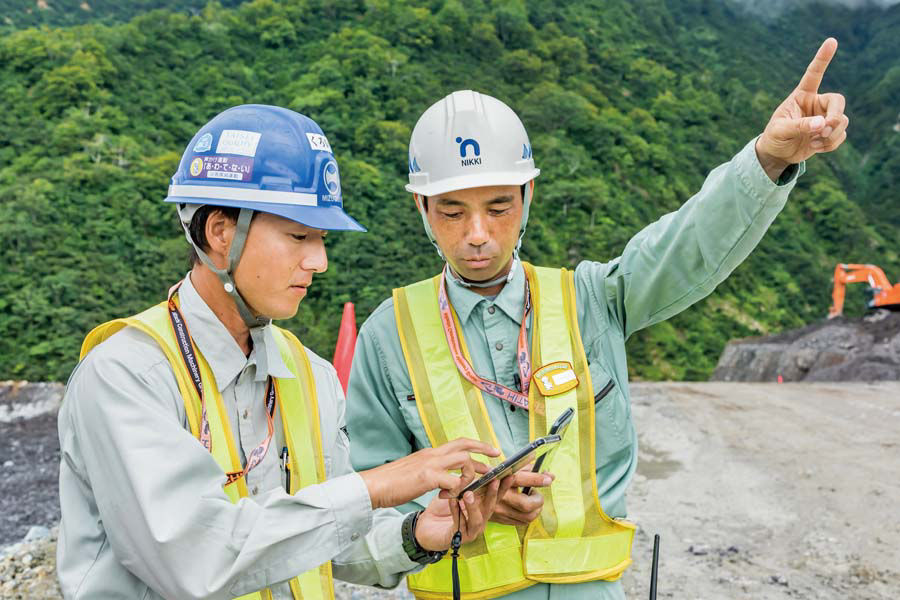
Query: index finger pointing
(471, 445)
(816, 69)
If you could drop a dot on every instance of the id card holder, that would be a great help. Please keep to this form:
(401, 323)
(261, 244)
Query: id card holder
(555, 378)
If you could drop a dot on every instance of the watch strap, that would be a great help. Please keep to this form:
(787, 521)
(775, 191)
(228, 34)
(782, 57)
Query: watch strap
(414, 551)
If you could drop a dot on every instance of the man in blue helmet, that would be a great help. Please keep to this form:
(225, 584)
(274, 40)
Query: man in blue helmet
(203, 448)
(497, 349)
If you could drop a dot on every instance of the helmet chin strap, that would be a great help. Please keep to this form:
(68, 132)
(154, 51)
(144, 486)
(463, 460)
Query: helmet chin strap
(255, 324)
(485, 284)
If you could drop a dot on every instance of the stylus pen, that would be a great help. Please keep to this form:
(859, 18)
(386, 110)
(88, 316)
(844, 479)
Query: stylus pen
(655, 568)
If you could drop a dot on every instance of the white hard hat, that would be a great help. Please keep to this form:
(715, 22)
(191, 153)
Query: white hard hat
(468, 140)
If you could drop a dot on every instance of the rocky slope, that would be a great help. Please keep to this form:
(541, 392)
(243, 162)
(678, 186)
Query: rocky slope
(840, 349)
(29, 456)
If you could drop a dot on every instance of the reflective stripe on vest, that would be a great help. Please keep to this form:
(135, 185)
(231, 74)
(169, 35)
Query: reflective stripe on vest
(297, 405)
(574, 540)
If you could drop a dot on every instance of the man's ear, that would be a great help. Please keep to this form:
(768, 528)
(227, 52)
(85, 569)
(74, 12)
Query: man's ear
(421, 202)
(219, 233)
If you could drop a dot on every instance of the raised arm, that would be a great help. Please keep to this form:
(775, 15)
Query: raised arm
(683, 256)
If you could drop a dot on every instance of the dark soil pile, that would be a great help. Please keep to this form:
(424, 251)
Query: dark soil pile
(29, 455)
(840, 349)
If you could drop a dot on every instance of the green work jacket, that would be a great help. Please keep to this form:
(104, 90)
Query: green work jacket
(665, 268)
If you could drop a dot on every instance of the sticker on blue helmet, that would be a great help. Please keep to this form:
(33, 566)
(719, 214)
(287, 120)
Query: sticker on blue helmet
(233, 168)
(332, 179)
(204, 143)
(235, 141)
(317, 141)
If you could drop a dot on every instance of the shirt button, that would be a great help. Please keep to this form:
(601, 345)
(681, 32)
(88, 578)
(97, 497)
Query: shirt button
(491, 309)
(499, 345)
(354, 536)
(512, 408)
(246, 413)
(255, 490)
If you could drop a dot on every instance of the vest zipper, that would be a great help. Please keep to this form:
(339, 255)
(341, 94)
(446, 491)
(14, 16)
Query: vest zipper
(604, 392)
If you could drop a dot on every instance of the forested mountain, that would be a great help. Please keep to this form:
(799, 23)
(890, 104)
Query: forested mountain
(628, 105)
(18, 14)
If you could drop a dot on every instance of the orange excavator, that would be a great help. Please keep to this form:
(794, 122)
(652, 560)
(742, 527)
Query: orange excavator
(884, 295)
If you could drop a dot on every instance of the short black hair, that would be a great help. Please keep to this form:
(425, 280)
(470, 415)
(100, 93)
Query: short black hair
(197, 228)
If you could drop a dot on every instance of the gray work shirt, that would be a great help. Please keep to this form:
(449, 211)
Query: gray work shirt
(144, 514)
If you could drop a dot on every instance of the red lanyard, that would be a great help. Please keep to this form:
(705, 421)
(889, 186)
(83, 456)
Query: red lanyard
(523, 356)
(186, 345)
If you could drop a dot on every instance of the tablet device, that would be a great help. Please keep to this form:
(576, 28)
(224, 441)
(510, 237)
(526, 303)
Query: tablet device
(519, 459)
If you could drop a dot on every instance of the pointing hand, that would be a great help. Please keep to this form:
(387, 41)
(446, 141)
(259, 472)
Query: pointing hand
(407, 478)
(807, 122)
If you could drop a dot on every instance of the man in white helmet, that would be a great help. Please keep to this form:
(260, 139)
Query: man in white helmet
(496, 349)
(203, 448)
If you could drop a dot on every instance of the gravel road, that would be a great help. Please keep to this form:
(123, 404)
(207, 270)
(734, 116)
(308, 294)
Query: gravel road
(759, 491)
(768, 491)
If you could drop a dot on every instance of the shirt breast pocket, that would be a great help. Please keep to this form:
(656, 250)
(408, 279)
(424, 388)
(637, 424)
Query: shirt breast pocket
(610, 414)
(410, 410)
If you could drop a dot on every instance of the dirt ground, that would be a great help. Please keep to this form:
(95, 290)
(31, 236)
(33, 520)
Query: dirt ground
(768, 491)
(759, 491)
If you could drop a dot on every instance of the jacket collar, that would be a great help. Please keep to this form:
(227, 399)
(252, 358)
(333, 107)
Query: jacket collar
(511, 299)
(218, 347)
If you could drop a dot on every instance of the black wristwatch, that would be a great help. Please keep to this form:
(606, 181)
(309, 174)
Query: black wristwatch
(414, 551)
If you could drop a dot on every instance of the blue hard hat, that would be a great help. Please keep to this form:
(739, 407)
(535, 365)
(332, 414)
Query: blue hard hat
(267, 159)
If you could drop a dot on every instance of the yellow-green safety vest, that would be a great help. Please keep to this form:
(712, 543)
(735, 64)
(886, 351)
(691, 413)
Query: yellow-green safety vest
(573, 540)
(297, 405)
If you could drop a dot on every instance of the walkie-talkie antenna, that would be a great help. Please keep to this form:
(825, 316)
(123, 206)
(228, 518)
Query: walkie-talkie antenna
(655, 568)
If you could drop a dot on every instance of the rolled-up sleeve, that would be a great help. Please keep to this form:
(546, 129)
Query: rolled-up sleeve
(682, 257)
(159, 493)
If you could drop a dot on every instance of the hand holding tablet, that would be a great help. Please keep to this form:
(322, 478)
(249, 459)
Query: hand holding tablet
(558, 428)
(522, 457)
(535, 452)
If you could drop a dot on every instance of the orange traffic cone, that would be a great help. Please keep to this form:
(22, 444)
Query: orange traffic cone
(346, 343)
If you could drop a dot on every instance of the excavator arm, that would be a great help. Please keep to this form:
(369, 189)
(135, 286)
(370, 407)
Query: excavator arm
(885, 295)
